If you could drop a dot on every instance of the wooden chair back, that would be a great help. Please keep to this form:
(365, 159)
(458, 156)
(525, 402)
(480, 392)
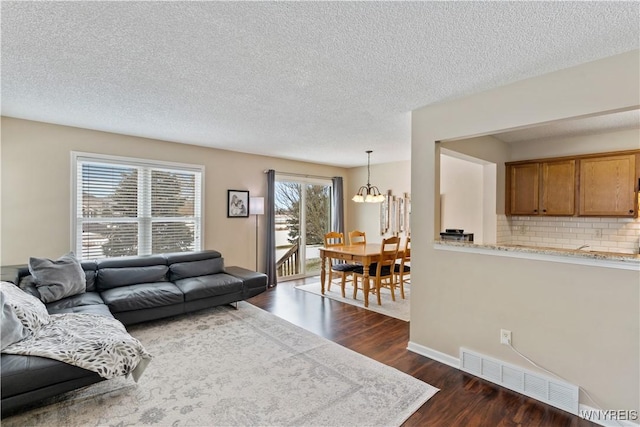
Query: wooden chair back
(385, 269)
(403, 271)
(357, 237)
(342, 269)
(333, 238)
(388, 255)
(407, 250)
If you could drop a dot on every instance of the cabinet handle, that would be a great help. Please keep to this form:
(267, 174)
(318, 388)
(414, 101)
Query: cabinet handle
(544, 210)
(630, 210)
(535, 210)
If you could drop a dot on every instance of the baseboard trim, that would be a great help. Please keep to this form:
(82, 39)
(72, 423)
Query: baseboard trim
(454, 362)
(436, 355)
(590, 414)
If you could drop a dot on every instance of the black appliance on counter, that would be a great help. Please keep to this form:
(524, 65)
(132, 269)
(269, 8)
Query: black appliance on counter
(456, 234)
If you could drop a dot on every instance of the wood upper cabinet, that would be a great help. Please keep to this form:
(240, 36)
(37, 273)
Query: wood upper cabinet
(588, 185)
(607, 186)
(541, 188)
(558, 188)
(522, 189)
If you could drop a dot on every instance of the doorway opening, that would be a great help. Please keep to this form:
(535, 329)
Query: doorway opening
(468, 195)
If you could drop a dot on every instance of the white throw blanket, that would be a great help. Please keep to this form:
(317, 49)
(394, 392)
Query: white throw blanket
(97, 343)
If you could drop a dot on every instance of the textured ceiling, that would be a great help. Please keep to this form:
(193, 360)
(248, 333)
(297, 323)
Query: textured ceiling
(314, 81)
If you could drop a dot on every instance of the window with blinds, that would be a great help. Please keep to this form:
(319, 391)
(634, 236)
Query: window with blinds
(135, 207)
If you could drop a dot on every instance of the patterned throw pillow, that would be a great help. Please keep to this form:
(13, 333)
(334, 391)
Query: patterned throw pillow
(29, 309)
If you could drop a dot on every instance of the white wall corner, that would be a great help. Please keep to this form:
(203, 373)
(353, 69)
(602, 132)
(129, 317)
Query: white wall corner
(436, 355)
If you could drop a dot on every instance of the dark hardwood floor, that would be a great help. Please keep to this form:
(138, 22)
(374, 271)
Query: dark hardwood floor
(463, 400)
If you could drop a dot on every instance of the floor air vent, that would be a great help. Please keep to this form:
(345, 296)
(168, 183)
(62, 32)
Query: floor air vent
(556, 393)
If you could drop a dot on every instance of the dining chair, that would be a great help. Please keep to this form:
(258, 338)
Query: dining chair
(344, 270)
(382, 272)
(357, 237)
(403, 270)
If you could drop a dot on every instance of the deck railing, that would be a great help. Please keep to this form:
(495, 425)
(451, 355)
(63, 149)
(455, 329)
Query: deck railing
(289, 263)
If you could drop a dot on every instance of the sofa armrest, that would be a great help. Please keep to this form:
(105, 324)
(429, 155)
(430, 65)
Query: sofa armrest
(253, 282)
(10, 273)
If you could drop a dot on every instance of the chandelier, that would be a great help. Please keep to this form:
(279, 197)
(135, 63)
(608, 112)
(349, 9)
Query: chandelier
(368, 193)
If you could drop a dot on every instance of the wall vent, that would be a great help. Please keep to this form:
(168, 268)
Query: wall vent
(549, 390)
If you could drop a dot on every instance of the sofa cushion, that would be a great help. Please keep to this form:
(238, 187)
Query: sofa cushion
(205, 267)
(57, 279)
(101, 309)
(141, 296)
(209, 286)
(12, 328)
(29, 309)
(88, 298)
(21, 374)
(131, 261)
(176, 257)
(90, 270)
(109, 278)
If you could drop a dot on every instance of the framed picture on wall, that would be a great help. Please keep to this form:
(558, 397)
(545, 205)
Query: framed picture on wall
(237, 204)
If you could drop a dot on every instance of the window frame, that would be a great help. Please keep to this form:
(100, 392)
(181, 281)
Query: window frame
(147, 164)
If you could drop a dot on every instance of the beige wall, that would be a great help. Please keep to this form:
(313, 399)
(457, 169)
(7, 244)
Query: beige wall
(394, 176)
(489, 149)
(569, 146)
(582, 322)
(461, 195)
(36, 186)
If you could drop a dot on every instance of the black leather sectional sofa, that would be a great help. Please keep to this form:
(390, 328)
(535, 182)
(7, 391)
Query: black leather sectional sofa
(133, 290)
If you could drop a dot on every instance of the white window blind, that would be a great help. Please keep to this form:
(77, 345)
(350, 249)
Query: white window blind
(132, 207)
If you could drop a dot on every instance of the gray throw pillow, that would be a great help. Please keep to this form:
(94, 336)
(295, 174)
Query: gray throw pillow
(12, 328)
(57, 279)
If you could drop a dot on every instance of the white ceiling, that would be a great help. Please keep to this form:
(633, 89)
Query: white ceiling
(312, 81)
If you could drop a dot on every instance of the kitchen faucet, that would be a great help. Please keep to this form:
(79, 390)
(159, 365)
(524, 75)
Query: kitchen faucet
(582, 247)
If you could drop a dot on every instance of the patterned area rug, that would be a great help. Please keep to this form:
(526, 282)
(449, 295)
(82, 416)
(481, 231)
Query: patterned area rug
(398, 308)
(242, 367)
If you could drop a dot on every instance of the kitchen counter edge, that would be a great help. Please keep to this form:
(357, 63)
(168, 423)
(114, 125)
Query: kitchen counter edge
(604, 259)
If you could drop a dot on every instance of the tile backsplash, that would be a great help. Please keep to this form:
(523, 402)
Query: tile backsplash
(621, 235)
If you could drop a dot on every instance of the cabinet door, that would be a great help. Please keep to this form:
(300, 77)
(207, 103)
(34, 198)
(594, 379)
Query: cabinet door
(523, 189)
(607, 186)
(558, 188)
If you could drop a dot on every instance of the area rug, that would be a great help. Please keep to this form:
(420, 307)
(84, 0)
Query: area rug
(244, 367)
(398, 308)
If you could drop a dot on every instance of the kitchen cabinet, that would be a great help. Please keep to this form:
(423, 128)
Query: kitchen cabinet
(588, 185)
(541, 188)
(522, 189)
(558, 188)
(607, 186)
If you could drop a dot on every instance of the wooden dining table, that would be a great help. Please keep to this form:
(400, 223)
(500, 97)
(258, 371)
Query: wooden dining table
(363, 254)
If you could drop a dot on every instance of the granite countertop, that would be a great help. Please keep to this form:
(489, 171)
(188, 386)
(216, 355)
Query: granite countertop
(584, 253)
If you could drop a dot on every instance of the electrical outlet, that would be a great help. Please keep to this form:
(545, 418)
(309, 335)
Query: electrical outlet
(598, 232)
(505, 337)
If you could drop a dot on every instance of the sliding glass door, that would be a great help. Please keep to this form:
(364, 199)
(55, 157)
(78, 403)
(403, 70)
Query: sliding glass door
(303, 216)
